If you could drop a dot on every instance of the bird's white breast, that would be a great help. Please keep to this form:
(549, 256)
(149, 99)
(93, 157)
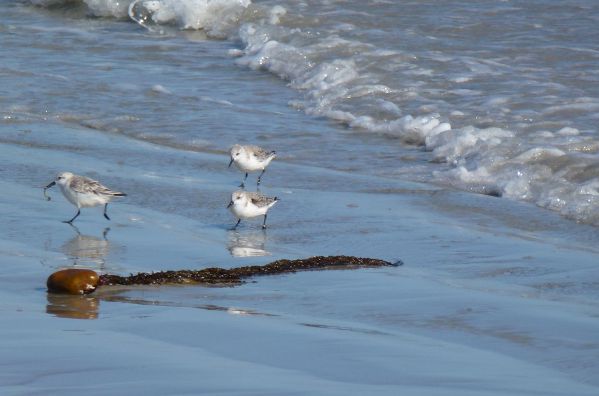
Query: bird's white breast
(83, 200)
(249, 163)
(246, 210)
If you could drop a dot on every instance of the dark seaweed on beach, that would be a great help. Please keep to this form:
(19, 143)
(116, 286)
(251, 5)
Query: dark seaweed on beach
(236, 276)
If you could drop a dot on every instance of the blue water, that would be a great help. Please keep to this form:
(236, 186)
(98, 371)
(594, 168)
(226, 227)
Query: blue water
(459, 137)
(497, 99)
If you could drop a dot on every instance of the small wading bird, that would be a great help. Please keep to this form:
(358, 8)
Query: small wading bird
(83, 192)
(246, 205)
(251, 159)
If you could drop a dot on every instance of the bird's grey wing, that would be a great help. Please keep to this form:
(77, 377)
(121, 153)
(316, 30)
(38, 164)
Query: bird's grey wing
(261, 200)
(261, 153)
(85, 185)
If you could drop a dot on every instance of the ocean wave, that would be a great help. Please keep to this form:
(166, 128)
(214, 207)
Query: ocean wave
(559, 177)
(352, 81)
(216, 17)
(98, 8)
(408, 95)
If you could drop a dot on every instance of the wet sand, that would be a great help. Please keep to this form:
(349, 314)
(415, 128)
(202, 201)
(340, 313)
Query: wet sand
(486, 303)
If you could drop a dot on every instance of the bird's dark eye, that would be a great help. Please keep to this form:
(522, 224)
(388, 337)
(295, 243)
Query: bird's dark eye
(237, 154)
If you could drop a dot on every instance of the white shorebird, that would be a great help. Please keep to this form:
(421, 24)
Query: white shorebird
(83, 192)
(251, 159)
(246, 205)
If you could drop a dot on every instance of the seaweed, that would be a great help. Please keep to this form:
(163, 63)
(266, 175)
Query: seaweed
(237, 276)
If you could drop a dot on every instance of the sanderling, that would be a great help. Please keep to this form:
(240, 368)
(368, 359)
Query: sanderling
(245, 205)
(251, 159)
(83, 192)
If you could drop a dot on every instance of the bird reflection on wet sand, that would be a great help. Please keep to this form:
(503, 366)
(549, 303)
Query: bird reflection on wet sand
(87, 249)
(247, 244)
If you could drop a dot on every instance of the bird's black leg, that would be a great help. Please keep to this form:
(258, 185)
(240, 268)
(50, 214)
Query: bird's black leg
(242, 185)
(264, 223)
(74, 217)
(106, 214)
(236, 224)
(259, 177)
(74, 227)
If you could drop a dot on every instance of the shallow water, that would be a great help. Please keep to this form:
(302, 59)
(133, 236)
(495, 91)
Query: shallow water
(501, 97)
(496, 295)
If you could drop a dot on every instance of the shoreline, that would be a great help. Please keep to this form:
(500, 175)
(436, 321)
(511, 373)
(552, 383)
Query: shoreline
(495, 297)
(477, 286)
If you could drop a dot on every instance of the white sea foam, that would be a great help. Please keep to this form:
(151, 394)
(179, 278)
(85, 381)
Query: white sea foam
(99, 8)
(113, 8)
(216, 17)
(157, 88)
(333, 84)
(491, 161)
(525, 130)
(341, 85)
(455, 145)
(581, 105)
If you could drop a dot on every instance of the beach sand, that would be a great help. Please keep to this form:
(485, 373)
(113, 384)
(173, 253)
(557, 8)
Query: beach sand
(485, 303)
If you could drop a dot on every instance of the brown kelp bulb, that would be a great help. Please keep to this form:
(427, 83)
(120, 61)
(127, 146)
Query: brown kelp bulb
(73, 281)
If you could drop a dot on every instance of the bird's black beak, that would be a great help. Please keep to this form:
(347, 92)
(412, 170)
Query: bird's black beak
(231, 162)
(47, 187)
(230, 204)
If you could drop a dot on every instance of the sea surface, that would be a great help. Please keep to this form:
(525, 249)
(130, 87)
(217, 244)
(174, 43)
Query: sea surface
(497, 98)
(459, 137)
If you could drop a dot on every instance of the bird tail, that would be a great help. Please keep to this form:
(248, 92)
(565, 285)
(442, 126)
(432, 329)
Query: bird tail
(118, 194)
